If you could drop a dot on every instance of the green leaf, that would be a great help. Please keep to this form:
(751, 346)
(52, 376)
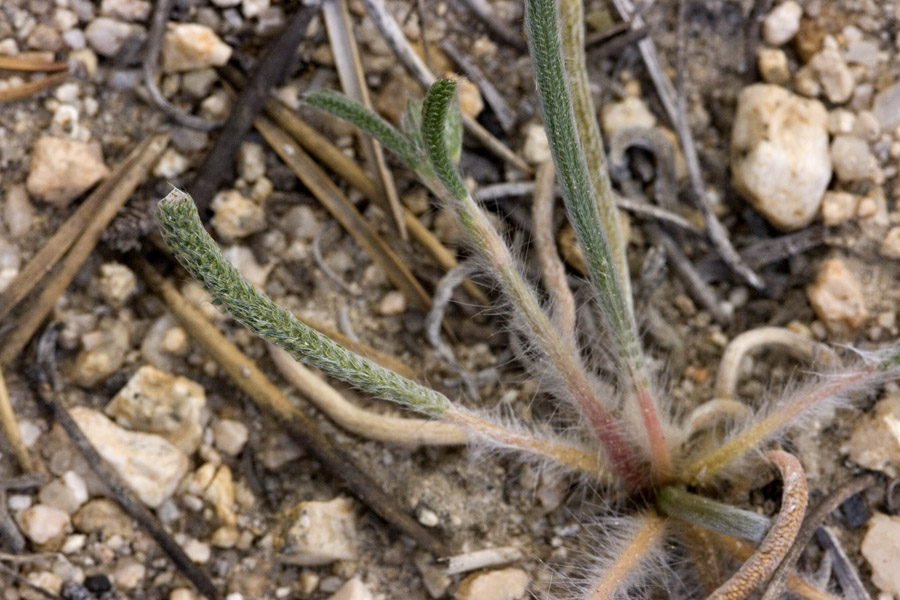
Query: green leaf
(435, 113)
(559, 121)
(198, 253)
(352, 111)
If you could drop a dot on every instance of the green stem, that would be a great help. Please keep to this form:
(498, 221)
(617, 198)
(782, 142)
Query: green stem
(724, 518)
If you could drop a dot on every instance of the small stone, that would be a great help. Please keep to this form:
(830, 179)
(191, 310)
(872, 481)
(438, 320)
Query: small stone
(852, 159)
(197, 551)
(220, 493)
(244, 260)
(74, 544)
(129, 574)
(154, 401)
(77, 486)
(537, 148)
(18, 211)
(254, 8)
(225, 537)
(427, 517)
(393, 303)
(875, 443)
(833, 73)
(45, 526)
(841, 121)
(230, 436)
(104, 517)
(780, 159)
(198, 83)
(182, 594)
(354, 589)
(75, 39)
(837, 298)
(806, 84)
(98, 584)
(235, 216)
(301, 223)
(107, 36)
(117, 283)
(881, 547)
(318, 533)
(782, 23)
(278, 450)
(502, 584)
(886, 107)
(19, 501)
(309, 581)
(189, 46)
(45, 580)
(630, 112)
(63, 169)
(129, 10)
(838, 207)
(867, 126)
(470, 101)
(890, 247)
(150, 465)
(251, 161)
(773, 66)
(57, 495)
(44, 37)
(10, 262)
(103, 352)
(171, 164)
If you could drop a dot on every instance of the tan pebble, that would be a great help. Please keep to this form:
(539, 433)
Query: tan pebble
(837, 298)
(393, 303)
(503, 584)
(470, 101)
(838, 207)
(890, 247)
(773, 66)
(881, 547)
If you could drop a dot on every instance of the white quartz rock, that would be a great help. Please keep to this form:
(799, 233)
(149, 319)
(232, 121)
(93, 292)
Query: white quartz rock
(780, 157)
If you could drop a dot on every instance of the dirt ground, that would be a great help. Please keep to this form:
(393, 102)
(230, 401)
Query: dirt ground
(469, 499)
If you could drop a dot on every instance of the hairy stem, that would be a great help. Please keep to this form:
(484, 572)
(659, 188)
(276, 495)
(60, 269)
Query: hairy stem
(554, 83)
(198, 253)
(643, 540)
(707, 466)
(567, 366)
(571, 13)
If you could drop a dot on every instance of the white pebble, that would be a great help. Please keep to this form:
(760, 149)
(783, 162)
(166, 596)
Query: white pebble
(837, 297)
(782, 23)
(235, 216)
(780, 158)
(189, 46)
(117, 283)
(197, 551)
(107, 36)
(18, 211)
(852, 159)
(44, 525)
(230, 436)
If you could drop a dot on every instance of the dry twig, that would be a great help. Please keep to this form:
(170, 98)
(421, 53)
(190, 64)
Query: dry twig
(79, 235)
(11, 428)
(48, 388)
(268, 72)
(353, 81)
